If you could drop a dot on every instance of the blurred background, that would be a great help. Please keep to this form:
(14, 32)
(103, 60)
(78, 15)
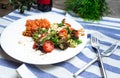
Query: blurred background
(114, 6)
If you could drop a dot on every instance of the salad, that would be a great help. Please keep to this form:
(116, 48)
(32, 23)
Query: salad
(47, 36)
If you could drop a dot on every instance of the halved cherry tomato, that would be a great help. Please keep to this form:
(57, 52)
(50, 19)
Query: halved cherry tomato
(63, 34)
(48, 46)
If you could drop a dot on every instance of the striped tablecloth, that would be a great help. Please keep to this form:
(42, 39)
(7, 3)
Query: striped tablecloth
(108, 30)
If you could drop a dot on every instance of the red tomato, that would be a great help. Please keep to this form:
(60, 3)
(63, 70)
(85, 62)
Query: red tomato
(63, 33)
(48, 46)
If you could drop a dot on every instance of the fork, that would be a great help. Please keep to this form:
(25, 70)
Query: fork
(95, 46)
(105, 53)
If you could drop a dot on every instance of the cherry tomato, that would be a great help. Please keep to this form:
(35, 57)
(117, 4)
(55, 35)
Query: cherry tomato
(48, 46)
(63, 33)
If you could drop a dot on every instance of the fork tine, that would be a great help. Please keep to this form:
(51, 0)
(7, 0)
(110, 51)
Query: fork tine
(94, 40)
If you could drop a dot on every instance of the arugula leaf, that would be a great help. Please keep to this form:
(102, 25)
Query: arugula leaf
(55, 40)
(78, 41)
(68, 30)
(61, 24)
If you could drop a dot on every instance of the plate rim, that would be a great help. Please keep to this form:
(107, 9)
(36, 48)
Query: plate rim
(24, 18)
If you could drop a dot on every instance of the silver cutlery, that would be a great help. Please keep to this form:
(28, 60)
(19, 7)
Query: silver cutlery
(105, 53)
(95, 46)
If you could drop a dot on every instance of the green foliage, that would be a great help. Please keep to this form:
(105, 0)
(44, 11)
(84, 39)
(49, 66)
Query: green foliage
(88, 9)
(22, 4)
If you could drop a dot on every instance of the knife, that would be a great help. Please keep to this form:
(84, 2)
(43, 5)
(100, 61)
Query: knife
(105, 53)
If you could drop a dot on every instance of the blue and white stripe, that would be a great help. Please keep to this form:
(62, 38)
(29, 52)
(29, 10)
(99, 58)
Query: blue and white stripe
(108, 30)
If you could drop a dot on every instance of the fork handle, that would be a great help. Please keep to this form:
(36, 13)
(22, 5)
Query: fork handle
(102, 66)
(85, 67)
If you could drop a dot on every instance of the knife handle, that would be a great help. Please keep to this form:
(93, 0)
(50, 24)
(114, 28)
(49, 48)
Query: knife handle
(102, 66)
(85, 67)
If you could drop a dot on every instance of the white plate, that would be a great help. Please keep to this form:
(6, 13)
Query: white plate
(20, 47)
